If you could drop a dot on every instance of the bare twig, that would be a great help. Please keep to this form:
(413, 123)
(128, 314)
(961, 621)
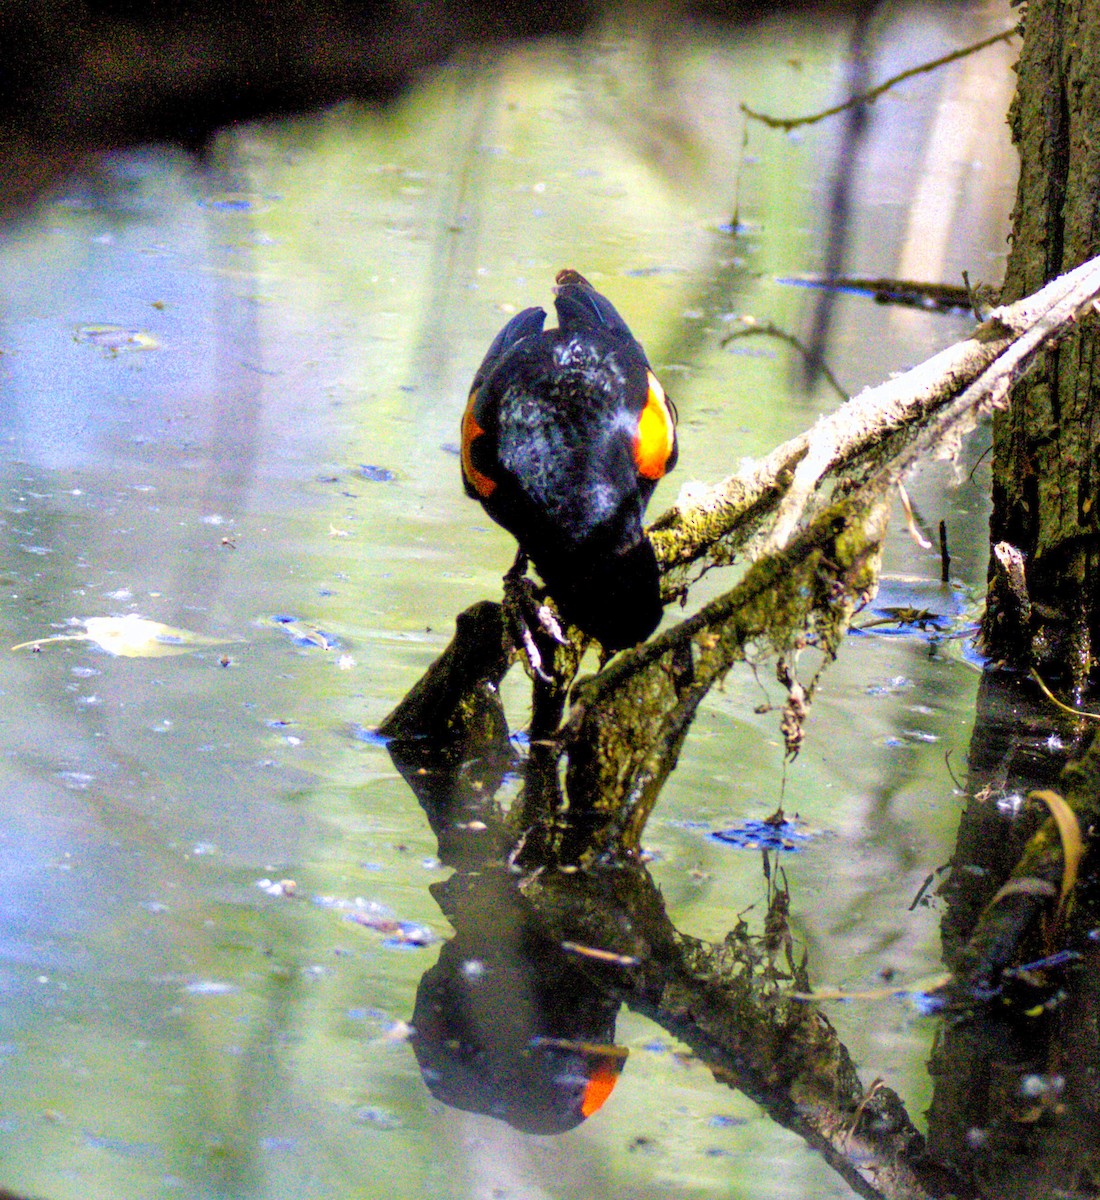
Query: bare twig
(789, 123)
(908, 293)
(751, 327)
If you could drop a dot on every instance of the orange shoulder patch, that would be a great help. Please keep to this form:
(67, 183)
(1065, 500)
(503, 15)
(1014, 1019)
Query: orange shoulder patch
(656, 432)
(471, 431)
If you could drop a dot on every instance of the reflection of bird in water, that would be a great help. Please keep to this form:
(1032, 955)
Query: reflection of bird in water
(564, 438)
(506, 1024)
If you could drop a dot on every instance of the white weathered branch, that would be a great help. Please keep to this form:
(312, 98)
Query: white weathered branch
(881, 432)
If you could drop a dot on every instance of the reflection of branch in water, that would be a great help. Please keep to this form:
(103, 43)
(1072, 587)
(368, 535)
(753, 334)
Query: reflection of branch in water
(868, 97)
(755, 328)
(856, 119)
(517, 1017)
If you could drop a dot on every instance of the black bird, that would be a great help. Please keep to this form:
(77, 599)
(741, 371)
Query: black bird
(564, 438)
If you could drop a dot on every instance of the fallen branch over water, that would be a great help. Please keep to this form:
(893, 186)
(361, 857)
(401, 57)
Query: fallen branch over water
(926, 410)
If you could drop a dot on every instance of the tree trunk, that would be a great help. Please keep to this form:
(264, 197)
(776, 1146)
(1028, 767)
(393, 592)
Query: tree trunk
(1046, 445)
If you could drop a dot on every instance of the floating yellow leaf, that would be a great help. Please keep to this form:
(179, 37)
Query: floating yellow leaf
(130, 637)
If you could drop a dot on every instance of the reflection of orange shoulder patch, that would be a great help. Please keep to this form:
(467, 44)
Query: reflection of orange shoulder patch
(600, 1085)
(471, 431)
(656, 432)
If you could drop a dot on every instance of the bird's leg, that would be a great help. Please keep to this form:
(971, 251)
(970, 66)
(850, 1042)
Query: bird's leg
(518, 568)
(531, 620)
(523, 611)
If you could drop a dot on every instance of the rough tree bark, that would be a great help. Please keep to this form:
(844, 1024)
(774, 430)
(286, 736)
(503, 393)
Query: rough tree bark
(1046, 463)
(1014, 1110)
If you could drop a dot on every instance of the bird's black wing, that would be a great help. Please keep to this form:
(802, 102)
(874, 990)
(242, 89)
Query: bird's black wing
(523, 325)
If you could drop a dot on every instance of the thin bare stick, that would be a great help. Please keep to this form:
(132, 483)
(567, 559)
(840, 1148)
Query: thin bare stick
(789, 123)
(754, 328)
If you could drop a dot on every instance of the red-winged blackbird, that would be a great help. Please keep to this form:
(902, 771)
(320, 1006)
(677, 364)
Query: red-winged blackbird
(564, 437)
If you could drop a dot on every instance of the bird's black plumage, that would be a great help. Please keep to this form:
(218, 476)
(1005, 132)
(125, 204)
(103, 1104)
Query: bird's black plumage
(564, 437)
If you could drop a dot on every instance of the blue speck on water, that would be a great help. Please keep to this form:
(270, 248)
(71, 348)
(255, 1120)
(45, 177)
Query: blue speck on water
(375, 474)
(927, 1004)
(361, 733)
(210, 987)
(762, 835)
(378, 1117)
(228, 203)
(396, 943)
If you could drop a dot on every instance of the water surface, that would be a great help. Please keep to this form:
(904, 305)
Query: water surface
(231, 396)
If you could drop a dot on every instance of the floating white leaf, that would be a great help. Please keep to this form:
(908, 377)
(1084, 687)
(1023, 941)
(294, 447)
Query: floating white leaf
(130, 636)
